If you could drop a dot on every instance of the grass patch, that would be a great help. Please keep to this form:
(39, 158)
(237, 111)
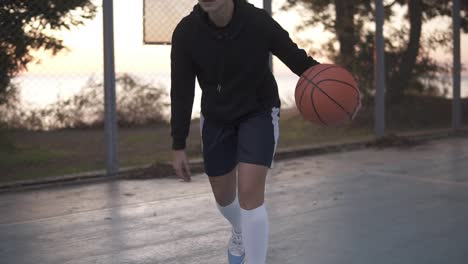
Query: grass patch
(34, 155)
(28, 157)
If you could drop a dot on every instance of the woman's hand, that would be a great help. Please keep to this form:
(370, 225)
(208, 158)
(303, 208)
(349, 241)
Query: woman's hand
(180, 165)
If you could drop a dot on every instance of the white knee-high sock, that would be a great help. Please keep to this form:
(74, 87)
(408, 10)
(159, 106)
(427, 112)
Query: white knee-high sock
(232, 214)
(255, 229)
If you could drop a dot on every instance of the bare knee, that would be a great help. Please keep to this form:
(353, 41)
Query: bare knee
(251, 185)
(224, 188)
(224, 198)
(251, 198)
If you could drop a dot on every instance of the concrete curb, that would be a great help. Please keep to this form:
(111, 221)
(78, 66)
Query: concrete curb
(164, 170)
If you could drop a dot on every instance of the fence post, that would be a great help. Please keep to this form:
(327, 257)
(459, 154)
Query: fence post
(379, 71)
(109, 89)
(456, 103)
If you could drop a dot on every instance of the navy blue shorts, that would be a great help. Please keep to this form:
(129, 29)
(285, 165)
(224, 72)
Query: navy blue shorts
(252, 140)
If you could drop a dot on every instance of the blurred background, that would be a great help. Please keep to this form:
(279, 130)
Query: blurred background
(51, 77)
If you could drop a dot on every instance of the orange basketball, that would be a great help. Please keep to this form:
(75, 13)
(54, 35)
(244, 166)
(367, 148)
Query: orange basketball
(328, 95)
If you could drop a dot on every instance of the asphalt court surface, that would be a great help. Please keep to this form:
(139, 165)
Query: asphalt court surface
(394, 205)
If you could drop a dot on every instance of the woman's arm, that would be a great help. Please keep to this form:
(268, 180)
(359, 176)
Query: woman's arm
(182, 87)
(286, 50)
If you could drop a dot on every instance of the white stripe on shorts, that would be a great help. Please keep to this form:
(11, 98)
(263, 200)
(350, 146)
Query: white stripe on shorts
(202, 122)
(275, 121)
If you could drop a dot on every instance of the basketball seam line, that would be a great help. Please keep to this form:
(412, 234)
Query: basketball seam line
(303, 90)
(335, 80)
(300, 98)
(306, 77)
(313, 105)
(358, 97)
(333, 66)
(331, 98)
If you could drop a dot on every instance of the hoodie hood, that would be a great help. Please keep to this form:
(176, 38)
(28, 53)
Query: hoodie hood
(231, 30)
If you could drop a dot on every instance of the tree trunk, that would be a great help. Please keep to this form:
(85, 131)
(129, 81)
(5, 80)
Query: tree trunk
(399, 83)
(345, 31)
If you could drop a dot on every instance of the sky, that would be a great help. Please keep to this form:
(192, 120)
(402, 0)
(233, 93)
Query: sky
(132, 55)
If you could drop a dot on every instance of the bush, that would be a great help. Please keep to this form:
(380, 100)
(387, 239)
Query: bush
(137, 104)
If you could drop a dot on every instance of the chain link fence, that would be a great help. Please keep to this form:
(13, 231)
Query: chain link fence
(161, 17)
(52, 109)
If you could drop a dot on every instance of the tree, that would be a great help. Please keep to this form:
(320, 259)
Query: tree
(407, 60)
(26, 26)
(419, 12)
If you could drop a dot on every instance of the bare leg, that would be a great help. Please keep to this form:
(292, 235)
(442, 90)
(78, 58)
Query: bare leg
(224, 188)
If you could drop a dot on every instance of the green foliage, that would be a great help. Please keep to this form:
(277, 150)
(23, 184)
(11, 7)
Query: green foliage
(26, 26)
(410, 68)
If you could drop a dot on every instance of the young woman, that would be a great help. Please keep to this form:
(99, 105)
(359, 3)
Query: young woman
(226, 45)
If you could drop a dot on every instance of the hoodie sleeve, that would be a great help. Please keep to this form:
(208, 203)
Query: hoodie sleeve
(286, 50)
(182, 87)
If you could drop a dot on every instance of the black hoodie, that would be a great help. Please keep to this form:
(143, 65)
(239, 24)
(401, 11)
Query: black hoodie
(231, 64)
